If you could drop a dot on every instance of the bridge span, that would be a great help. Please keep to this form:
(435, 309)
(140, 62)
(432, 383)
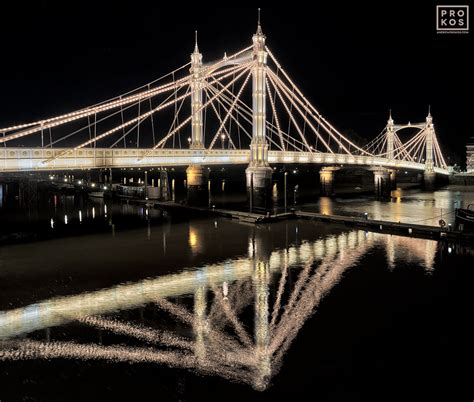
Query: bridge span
(36, 159)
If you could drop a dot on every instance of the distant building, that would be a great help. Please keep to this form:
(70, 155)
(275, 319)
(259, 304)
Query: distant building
(470, 156)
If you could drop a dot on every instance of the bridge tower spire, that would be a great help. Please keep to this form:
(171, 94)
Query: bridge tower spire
(390, 136)
(259, 172)
(196, 175)
(196, 98)
(429, 174)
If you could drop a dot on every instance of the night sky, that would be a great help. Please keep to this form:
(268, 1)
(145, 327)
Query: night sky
(354, 61)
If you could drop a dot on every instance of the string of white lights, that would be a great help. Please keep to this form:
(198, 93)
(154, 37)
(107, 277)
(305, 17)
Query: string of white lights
(290, 115)
(70, 117)
(402, 147)
(246, 115)
(89, 124)
(415, 150)
(227, 133)
(142, 119)
(54, 122)
(156, 109)
(248, 110)
(224, 61)
(415, 144)
(231, 109)
(315, 113)
(402, 151)
(244, 68)
(115, 129)
(275, 114)
(176, 116)
(292, 97)
(220, 102)
(443, 163)
(373, 143)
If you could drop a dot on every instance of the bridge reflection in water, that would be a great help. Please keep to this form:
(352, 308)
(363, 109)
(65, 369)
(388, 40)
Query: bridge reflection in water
(213, 335)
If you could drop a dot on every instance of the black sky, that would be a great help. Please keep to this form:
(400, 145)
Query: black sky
(354, 60)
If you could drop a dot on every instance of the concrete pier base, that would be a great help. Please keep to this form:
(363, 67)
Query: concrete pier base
(393, 179)
(382, 186)
(429, 180)
(196, 180)
(163, 186)
(259, 186)
(326, 179)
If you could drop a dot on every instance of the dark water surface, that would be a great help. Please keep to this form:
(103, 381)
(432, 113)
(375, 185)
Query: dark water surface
(146, 306)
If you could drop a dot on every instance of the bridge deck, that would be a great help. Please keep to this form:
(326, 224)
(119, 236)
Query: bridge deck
(36, 159)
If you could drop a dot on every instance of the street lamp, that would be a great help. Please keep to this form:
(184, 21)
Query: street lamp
(251, 192)
(189, 141)
(284, 189)
(223, 139)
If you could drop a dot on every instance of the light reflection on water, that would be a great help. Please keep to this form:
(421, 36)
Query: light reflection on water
(283, 286)
(407, 206)
(74, 209)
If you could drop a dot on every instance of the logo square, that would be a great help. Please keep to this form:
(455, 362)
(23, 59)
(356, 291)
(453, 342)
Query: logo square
(451, 18)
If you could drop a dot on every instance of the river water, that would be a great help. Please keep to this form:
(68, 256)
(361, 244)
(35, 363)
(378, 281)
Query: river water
(407, 206)
(124, 302)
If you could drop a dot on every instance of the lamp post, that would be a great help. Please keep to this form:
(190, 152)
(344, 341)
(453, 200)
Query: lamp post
(223, 139)
(284, 188)
(294, 194)
(251, 192)
(146, 185)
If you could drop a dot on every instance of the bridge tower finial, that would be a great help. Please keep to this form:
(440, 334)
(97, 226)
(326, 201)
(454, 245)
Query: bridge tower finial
(390, 120)
(196, 48)
(259, 26)
(196, 56)
(429, 118)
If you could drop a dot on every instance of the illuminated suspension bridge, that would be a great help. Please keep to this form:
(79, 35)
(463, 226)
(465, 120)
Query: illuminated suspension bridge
(199, 115)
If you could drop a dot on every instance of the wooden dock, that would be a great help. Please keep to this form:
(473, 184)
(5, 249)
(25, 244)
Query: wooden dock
(398, 228)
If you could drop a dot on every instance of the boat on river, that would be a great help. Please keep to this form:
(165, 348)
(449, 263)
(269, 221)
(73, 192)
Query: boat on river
(96, 194)
(465, 218)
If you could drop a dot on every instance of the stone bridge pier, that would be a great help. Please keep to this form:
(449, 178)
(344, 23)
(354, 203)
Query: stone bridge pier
(326, 179)
(382, 182)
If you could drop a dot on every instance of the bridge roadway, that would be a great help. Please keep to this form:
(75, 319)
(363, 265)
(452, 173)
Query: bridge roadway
(35, 159)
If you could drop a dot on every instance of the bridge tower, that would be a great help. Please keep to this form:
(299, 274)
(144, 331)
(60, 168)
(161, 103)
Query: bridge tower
(259, 172)
(390, 136)
(196, 175)
(429, 175)
(390, 149)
